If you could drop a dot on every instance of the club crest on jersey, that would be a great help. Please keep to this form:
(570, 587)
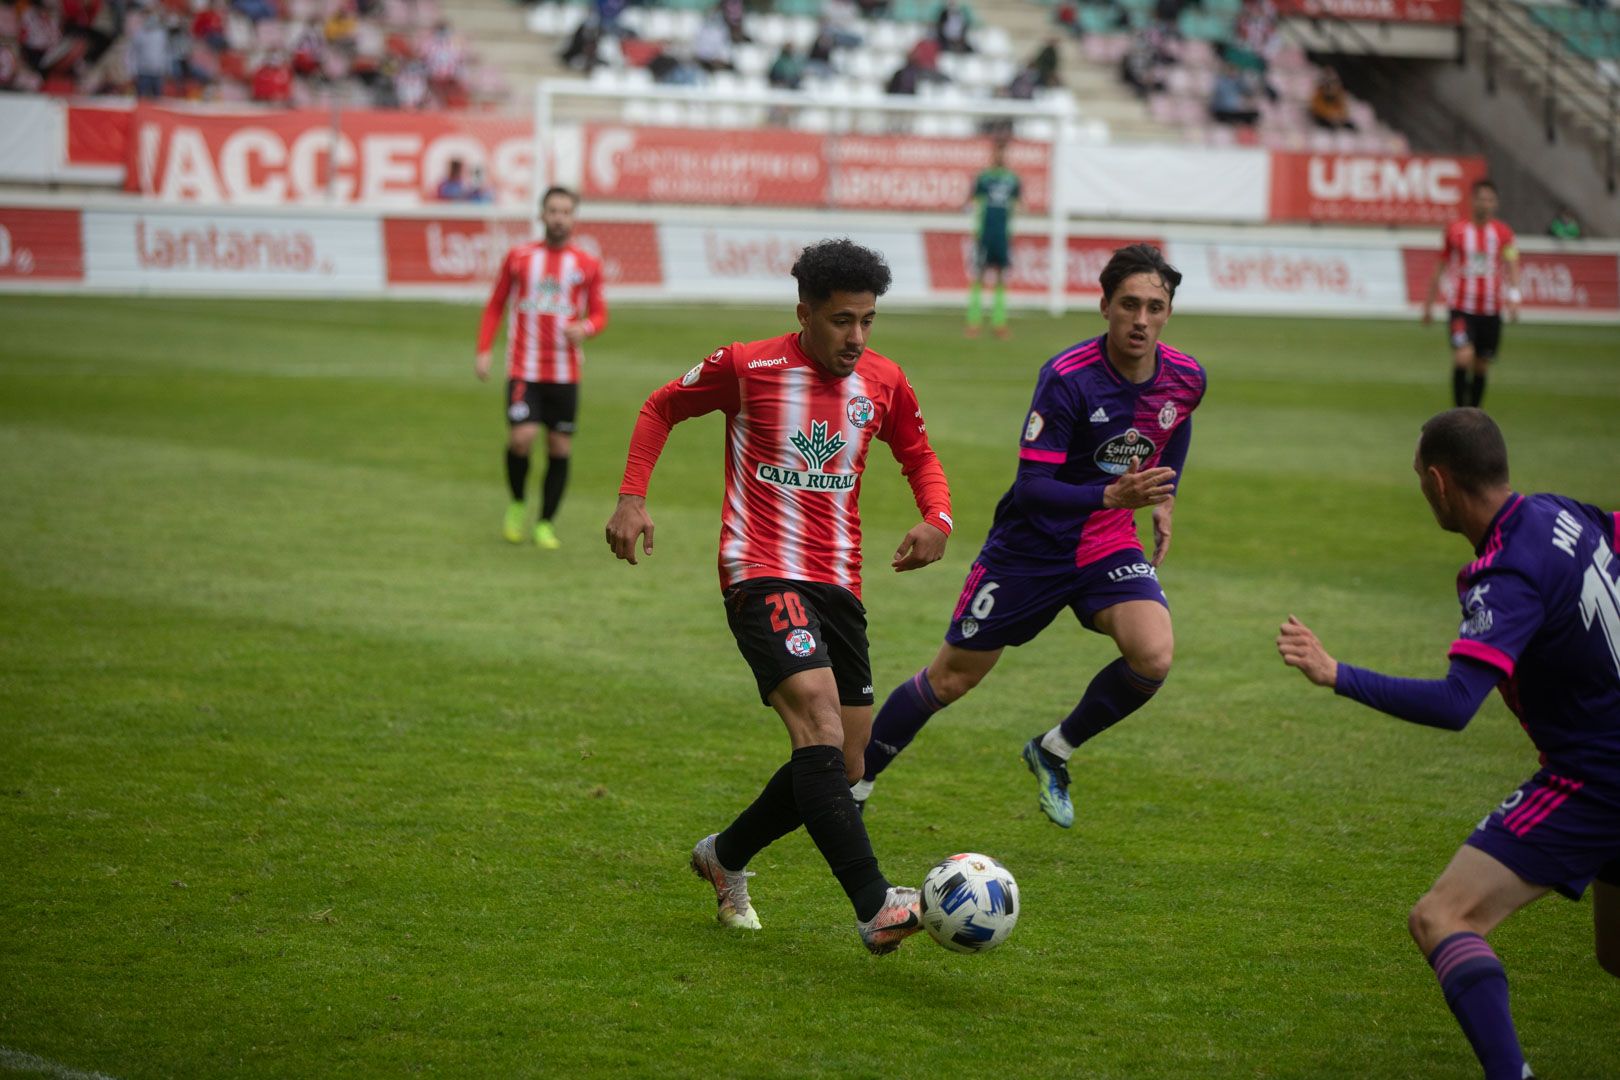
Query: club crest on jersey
(694, 375)
(1114, 456)
(860, 410)
(800, 643)
(1167, 416)
(1034, 426)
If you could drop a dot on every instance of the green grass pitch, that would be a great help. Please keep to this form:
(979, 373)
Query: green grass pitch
(304, 772)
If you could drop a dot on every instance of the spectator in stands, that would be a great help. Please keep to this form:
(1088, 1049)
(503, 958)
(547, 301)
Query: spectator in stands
(272, 83)
(1045, 65)
(477, 189)
(308, 50)
(411, 86)
(453, 188)
(1233, 99)
(843, 19)
(731, 14)
(1139, 67)
(150, 43)
(711, 46)
(442, 57)
(607, 17)
(951, 28)
(787, 70)
(255, 11)
(341, 25)
(209, 26)
(820, 56)
(11, 66)
(1330, 106)
(582, 52)
(1254, 34)
(1024, 84)
(93, 24)
(1564, 226)
(40, 33)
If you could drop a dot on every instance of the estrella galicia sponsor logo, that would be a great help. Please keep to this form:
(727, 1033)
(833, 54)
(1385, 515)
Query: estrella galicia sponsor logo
(1034, 426)
(775, 361)
(1114, 456)
(800, 643)
(517, 412)
(692, 376)
(860, 410)
(1167, 416)
(1133, 570)
(969, 626)
(1477, 618)
(804, 481)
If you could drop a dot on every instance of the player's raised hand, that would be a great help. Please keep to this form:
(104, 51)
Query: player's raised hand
(1300, 649)
(924, 544)
(576, 332)
(630, 522)
(481, 366)
(1139, 488)
(1161, 529)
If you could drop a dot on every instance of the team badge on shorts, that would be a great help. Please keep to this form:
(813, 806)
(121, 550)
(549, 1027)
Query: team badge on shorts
(517, 412)
(800, 643)
(1167, 416)
(860, 410)
(968, 627)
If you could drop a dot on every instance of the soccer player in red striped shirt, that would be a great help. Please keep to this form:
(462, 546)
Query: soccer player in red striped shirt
(801, 412)
(1478, 256)
(558, 304)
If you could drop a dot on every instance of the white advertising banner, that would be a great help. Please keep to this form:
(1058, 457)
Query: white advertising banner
(33, 134)
(724, 262)
(198, 251)
(1168, 183)
(1258, 276)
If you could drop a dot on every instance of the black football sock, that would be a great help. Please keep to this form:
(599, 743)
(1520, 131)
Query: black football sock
(768, 818)
(1477, 391)
(517, 473)
(821, 789)
(556, 480)
(1459, 386)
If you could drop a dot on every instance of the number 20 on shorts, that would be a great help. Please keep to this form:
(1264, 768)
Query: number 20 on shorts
(787, 603)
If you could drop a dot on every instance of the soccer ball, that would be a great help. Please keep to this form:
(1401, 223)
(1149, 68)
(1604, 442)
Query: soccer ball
(969, 903)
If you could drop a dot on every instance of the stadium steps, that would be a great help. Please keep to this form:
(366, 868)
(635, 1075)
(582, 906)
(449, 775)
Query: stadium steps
(497, 32)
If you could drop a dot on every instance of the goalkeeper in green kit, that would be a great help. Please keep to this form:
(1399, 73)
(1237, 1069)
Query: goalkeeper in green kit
(995, 194)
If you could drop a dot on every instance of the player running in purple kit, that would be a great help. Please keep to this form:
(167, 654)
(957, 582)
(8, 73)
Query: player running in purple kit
(1106, 435)
(1541, 622)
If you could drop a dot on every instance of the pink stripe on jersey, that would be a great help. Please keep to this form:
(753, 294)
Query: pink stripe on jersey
(1076, 359)
(1529, 808)
(968, 586)
(1051, 457)
(1485, 654)
(1105, 532)
(1528, 818)
(1177, 357)
(1493, 546)
(1471, 948)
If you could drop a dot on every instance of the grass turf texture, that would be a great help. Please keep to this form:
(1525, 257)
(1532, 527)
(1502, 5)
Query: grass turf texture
(304, 772)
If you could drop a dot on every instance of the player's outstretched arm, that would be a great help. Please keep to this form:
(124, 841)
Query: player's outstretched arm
(630, 522)
(1139, 487)
(924, 544)
(1300, 649)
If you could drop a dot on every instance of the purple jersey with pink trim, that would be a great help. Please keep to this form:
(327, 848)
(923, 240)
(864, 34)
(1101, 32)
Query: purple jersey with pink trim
(1541, 605)
(1089, 421)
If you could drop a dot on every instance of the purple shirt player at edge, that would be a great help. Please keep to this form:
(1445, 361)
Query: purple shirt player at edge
(1106, 435)
(1541, 623)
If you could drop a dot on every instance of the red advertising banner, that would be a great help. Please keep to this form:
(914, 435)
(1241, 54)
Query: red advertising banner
(372, 157)
(1548, 279)
(41, 245)
(97, 136)
(1380, 189)
(458, 251)
(951, 259)
(792, 168)
(1437, 12)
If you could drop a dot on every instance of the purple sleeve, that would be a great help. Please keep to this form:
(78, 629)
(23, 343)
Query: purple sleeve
(1037, 489)
(1443, 703)
(1175, 451)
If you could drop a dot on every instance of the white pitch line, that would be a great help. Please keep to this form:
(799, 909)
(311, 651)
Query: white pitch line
(16, 1060)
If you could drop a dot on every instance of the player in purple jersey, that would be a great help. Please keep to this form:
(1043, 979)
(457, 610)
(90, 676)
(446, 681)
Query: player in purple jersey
(1106, 435)
(1541, 622)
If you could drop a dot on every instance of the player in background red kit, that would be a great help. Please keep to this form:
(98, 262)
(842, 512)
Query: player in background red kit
(801, 413)
(558, 304)
(1479, 253)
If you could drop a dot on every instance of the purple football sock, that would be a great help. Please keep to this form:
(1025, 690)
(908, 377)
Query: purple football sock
(902, 716)
(1114, 694)
(1476, 988)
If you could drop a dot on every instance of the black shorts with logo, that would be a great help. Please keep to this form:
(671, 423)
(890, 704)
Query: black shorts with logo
(552, 404)
(1484, 332)
(784, 627)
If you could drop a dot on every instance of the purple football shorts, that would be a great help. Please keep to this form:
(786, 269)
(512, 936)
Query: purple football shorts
(1001, 607)
(1555, 831)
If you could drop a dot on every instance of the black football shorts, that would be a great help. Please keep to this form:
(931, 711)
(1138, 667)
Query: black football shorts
(784, 627)
(552, 404)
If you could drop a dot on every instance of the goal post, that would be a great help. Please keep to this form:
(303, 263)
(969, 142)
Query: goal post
(838, 156)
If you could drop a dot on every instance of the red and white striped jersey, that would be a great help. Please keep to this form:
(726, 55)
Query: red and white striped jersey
(554, 286)
(796, 443)
(1474, 255)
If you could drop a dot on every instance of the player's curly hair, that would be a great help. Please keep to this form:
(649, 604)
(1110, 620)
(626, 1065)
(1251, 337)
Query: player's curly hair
(1138, 259)
(1467, 444)
(841, 265)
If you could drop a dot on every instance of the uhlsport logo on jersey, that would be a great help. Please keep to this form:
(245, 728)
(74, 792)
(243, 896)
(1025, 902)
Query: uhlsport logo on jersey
(860, 410)
(1114, 456)
(816, 449)
(800, 643)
